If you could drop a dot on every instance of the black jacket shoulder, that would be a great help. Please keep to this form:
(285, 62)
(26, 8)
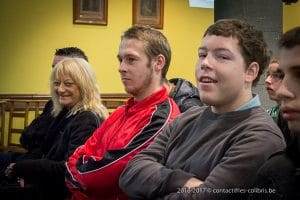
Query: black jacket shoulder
(185, 94)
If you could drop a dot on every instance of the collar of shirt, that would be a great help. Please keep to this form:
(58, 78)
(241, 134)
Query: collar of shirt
(251, 103)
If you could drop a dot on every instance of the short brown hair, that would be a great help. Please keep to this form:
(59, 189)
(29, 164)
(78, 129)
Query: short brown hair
(290, 39)
(155, 43)
(250, 40)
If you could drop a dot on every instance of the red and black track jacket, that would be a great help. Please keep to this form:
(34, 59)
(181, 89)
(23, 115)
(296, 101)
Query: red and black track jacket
(93, 170)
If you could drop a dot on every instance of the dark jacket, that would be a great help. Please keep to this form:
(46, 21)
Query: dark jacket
(185, 94)
(283, 125)
(275, 113)
(64, 135)
(280, 176)
(33, 136)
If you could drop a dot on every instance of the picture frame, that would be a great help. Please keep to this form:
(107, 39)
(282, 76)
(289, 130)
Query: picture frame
(148, 12)
(93, 12)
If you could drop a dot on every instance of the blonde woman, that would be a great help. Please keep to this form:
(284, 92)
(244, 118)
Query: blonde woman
(77, 112)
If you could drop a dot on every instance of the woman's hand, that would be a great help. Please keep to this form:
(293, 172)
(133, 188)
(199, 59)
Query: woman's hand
(21, 182)
(8, 173)
(9, 169)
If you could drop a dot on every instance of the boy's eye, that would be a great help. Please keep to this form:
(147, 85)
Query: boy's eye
(223, 56)
(297, 73)
(127, 60)
(276, 76)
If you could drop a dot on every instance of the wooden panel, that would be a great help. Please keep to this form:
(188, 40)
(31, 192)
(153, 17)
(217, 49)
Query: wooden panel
(2, 121)
(112, 104)
(20, 109)
(110, 100)
(47, 96)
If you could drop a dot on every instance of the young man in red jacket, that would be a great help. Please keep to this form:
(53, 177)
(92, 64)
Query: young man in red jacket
(94, 168)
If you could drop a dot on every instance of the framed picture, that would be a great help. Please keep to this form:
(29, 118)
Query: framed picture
(148, 12)
(90, 12)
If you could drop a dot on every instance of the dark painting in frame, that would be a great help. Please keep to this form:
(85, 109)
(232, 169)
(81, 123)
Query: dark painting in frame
(90, 12)
(148, 12)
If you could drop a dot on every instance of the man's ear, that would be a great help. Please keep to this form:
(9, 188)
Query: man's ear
(159, 62)
(251, 72)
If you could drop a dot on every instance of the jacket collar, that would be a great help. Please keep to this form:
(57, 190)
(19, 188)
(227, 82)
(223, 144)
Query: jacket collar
(153, 99)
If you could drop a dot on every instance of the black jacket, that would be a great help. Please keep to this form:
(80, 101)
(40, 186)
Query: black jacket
(64, 135)
(279, 177)
(33, 136)
(185, 94)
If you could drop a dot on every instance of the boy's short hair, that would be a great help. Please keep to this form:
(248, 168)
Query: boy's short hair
(155, 43)
(250, 40)
(290, 38)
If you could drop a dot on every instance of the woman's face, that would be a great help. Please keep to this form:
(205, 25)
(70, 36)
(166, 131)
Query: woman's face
(67, 91)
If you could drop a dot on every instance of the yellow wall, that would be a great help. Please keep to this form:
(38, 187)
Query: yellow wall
(291, 16)
(31, 30)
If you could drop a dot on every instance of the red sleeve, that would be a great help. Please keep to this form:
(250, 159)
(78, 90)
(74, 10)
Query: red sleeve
(95, 168)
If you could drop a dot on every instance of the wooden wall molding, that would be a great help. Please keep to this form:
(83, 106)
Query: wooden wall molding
(47, 96)
(110, 100)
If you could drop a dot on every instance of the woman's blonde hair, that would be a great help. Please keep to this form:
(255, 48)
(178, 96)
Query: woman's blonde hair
(84, 77)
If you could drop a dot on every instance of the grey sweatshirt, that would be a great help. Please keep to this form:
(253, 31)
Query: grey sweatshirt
(223, 150)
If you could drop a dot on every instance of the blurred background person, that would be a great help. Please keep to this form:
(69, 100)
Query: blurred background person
(273, 82)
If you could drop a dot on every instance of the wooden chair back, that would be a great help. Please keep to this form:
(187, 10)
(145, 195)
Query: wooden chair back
(2, 121)
(112, 104)
(20, 112)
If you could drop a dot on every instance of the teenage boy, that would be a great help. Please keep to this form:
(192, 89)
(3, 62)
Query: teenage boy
(212, 152)
(281, 172)
(94, 168)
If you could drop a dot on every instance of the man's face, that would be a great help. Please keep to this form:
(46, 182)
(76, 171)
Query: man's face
(289, 90)
(273, 81)
(220, 73)
(56, 59)
(135, 70)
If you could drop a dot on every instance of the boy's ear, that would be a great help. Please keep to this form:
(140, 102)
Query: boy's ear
(251, 72)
